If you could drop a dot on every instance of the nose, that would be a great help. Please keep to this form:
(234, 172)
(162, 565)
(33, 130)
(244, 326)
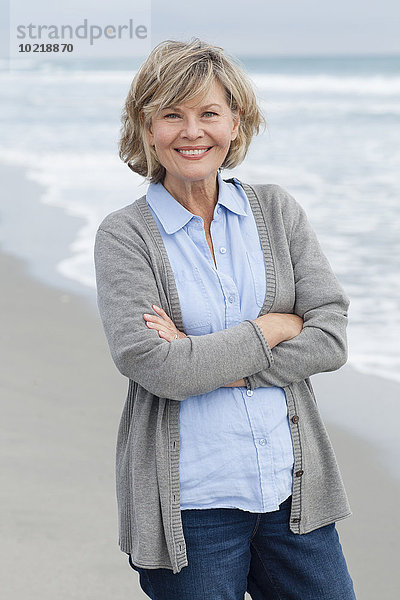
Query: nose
(192, 128)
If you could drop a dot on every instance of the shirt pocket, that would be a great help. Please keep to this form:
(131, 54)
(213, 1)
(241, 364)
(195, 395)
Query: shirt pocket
(194, 301)
(257, 269)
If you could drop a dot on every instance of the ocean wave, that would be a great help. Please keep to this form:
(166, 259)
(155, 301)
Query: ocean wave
(380, 85)
(288, 84)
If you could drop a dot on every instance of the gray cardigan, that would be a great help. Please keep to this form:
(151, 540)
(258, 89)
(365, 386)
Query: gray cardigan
(133, 272)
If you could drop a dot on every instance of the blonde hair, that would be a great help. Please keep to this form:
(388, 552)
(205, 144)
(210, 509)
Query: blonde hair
(176, 72)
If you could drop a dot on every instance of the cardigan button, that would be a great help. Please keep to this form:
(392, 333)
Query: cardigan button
(299, 473)
(295, 419)
(296, 520)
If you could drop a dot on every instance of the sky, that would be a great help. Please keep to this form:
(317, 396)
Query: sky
(284, 27)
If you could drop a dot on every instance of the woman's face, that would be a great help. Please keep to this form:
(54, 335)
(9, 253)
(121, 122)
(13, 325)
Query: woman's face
(193, 139)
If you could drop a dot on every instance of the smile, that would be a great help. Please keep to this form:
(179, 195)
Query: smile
(194, 151)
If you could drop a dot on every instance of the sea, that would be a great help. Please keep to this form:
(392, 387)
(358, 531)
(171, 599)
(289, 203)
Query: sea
(332, 140)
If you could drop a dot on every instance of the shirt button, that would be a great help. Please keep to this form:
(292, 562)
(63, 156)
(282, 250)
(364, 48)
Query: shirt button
(263, 441)
(249, 392)
(295, 419)
(222, 250)
(219, 209)
(299, 473)
(231, 299)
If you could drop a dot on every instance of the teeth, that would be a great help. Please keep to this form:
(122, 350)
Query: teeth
(193, 151)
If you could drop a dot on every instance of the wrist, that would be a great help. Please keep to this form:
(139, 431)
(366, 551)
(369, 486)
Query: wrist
(272, 329)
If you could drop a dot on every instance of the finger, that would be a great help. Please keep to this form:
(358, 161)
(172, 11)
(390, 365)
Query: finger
(161, 312)
(153, 318)
(159, 326)
(163, 330)
(166, 335)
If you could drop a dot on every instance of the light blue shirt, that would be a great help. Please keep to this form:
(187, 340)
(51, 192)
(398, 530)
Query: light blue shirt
(236, 448)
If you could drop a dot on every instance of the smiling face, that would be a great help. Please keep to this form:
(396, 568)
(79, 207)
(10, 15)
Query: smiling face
(193, 138)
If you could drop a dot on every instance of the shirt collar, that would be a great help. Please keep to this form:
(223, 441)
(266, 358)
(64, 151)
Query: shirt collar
(174, 216)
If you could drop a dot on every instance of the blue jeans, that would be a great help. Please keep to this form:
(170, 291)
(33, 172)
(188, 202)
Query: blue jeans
(231, 551)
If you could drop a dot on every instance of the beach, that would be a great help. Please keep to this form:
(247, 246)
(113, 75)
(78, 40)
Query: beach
(332, 142)
(61, 402)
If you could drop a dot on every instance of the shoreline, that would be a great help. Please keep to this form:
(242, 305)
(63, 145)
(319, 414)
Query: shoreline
(63, 400)
(25, 221)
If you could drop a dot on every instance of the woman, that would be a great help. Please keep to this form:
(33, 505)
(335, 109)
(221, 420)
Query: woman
(218, 305)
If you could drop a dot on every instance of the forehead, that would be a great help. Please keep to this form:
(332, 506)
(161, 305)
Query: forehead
(213, 95)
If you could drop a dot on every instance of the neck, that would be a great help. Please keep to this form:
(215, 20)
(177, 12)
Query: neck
(198, 197)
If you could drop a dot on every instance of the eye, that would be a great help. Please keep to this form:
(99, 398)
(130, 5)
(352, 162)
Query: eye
(171, 115)
(210, 113)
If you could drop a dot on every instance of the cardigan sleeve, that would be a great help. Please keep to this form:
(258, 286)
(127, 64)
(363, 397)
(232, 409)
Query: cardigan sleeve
(127, 288)
(321, 301)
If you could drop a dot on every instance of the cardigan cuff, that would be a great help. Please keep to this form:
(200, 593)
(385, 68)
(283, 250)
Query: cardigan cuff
(250, 380)
(263, 340)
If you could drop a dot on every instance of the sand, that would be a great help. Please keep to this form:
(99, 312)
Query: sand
(61, 401)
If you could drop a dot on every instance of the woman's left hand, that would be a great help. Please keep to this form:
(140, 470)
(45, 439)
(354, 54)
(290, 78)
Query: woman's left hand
(163, 324)
(167, 330)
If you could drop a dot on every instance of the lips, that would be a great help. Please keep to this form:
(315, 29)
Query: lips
(194, 150)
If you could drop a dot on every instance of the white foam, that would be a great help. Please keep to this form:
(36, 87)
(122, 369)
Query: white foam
(328, 84)
(72, 182)
(372, 369)
(59, 76)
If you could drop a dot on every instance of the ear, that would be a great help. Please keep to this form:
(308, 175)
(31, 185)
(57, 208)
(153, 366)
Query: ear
(235, 129)
(150, 136)
(148, 130)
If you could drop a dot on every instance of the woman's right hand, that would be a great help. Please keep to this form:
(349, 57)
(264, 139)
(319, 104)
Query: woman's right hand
(279, 327)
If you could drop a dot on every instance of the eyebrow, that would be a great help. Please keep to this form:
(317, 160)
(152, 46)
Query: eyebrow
(201, 107)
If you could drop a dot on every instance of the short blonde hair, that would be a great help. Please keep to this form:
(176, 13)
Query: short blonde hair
(176, 72)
